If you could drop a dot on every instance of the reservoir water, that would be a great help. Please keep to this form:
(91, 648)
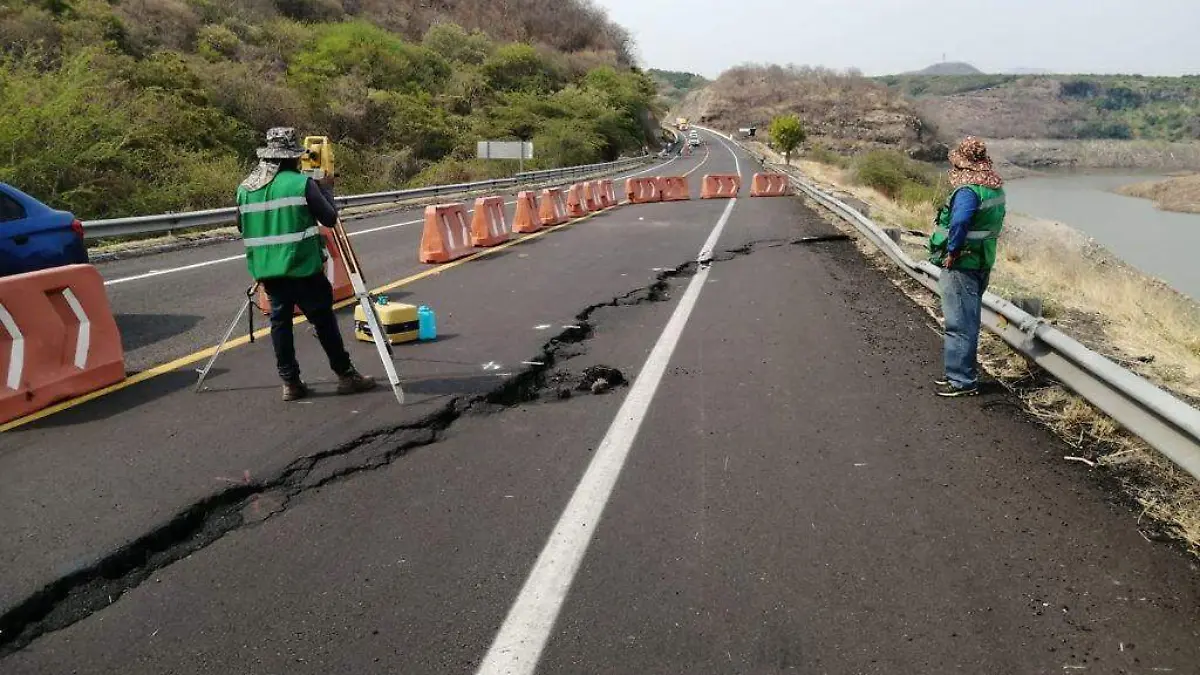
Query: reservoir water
(1160, 243)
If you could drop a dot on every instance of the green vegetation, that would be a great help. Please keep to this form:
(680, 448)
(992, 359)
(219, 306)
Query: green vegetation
(673, 86)
(822, 154)
(787, 133)
(915, 85)
(898, 177)
(124, 107)
(1133, 106)
(1085, 106)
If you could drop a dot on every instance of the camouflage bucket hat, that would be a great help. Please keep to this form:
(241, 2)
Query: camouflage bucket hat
(282, 143)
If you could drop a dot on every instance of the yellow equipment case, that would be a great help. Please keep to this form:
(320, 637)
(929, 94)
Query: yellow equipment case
(399, 322)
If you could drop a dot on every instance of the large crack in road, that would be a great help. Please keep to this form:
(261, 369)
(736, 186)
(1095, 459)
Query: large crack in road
(76, 596)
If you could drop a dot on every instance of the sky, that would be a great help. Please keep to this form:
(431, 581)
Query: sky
(1152, 37)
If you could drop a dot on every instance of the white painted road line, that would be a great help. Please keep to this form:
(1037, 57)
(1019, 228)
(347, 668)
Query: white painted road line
(218, 261)
(519, 644)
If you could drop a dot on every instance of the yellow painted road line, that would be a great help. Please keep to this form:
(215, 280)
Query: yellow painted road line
(203, 354)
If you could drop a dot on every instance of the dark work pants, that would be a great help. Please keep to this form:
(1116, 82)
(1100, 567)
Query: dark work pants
(314, 296)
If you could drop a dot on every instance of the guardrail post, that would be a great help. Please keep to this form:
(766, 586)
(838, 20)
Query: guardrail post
(894, 234)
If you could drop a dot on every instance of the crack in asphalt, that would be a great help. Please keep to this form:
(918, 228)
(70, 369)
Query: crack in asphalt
(78, 595)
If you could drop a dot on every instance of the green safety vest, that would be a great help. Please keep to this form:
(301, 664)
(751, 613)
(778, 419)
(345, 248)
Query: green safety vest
(979, 251)
(280, 233)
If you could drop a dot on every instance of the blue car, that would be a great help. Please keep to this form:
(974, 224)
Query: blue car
(34, 236)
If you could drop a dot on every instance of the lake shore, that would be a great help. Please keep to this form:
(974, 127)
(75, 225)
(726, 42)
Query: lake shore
(1180, 194)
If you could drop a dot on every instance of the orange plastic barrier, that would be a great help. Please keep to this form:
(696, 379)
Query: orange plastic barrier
(335, 272)
(489, 226)
(674, 188)
(577, 201)
(606, 193)
(595, 199)
(642, 190)
(721, 186)
(527, 220)
(58, 339)
(770, 185)
(447, 235)
(554, 209)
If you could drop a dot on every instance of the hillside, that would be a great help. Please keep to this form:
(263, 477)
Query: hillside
(950, 68)
(1059, 106)
(122, 107)
(846, 113)
(673, 86)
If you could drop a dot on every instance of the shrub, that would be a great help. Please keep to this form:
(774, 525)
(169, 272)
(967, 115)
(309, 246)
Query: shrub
(822, 154)
(377, 57)
(451, 42)
(889, 171)
(216, 42)
(519, 67)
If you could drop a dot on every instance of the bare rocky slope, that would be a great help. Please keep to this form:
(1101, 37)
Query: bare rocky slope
(846, 113)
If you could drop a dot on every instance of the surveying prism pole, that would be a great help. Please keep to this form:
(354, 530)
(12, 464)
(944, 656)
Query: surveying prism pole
(354, 271)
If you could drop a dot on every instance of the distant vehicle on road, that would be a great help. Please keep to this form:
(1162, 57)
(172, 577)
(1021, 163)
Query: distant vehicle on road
(34, 236)
(694, 139)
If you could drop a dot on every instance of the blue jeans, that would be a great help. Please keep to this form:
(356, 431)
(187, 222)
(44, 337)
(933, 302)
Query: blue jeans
(962, 305)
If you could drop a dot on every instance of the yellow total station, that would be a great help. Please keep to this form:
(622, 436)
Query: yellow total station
(317, 162)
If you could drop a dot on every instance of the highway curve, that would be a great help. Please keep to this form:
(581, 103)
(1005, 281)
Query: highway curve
(770, 487)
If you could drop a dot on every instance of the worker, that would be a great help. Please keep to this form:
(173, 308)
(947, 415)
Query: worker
(278, 212)
(964, 245)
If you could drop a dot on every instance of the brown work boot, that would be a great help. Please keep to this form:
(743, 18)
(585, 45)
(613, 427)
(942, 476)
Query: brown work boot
(354, 383)
(294, 391)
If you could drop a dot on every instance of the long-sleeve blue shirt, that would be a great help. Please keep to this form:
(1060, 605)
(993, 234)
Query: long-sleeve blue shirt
(963, 208)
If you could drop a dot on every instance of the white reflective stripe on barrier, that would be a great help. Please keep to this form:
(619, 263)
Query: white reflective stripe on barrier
(83, 341)
(16, 354)
(275, 239)
(280, 203)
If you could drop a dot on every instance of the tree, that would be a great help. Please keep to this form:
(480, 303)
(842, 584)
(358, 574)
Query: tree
(787, 132)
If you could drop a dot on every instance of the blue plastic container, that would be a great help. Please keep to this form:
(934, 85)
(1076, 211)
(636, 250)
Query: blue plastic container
(426, 323)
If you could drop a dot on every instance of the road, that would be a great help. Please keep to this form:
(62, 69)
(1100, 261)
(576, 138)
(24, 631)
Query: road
(773, 490)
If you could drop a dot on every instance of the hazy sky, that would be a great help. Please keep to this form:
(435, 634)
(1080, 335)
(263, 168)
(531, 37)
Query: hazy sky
(891, 36)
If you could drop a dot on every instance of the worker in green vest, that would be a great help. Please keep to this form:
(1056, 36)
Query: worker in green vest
(964, 246)
(279, 209)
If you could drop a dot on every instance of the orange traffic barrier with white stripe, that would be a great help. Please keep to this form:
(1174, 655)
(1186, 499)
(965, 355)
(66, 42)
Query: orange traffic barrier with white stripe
(58, 339)
(591, 193)
(769, 185)
(553, 209)
(447, 235)
(674, 188)
(335, 272)
(721, 186)
(527, 218)
(608, 194)
(577, 201)
(489, 226)
(642, 190)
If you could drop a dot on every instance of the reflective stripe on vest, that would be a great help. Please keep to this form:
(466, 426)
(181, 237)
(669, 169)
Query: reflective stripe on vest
(291, 238)
(993, 203)
(272, 205)
(973, 235)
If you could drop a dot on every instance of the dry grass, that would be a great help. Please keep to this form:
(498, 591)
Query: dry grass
(1173, 194)
(1105, 304)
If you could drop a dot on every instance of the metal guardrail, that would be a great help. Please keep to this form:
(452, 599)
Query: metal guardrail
(159, 224)
(1166, 423)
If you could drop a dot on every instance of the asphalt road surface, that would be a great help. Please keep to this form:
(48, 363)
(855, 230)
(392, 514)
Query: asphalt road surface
(766, 485)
